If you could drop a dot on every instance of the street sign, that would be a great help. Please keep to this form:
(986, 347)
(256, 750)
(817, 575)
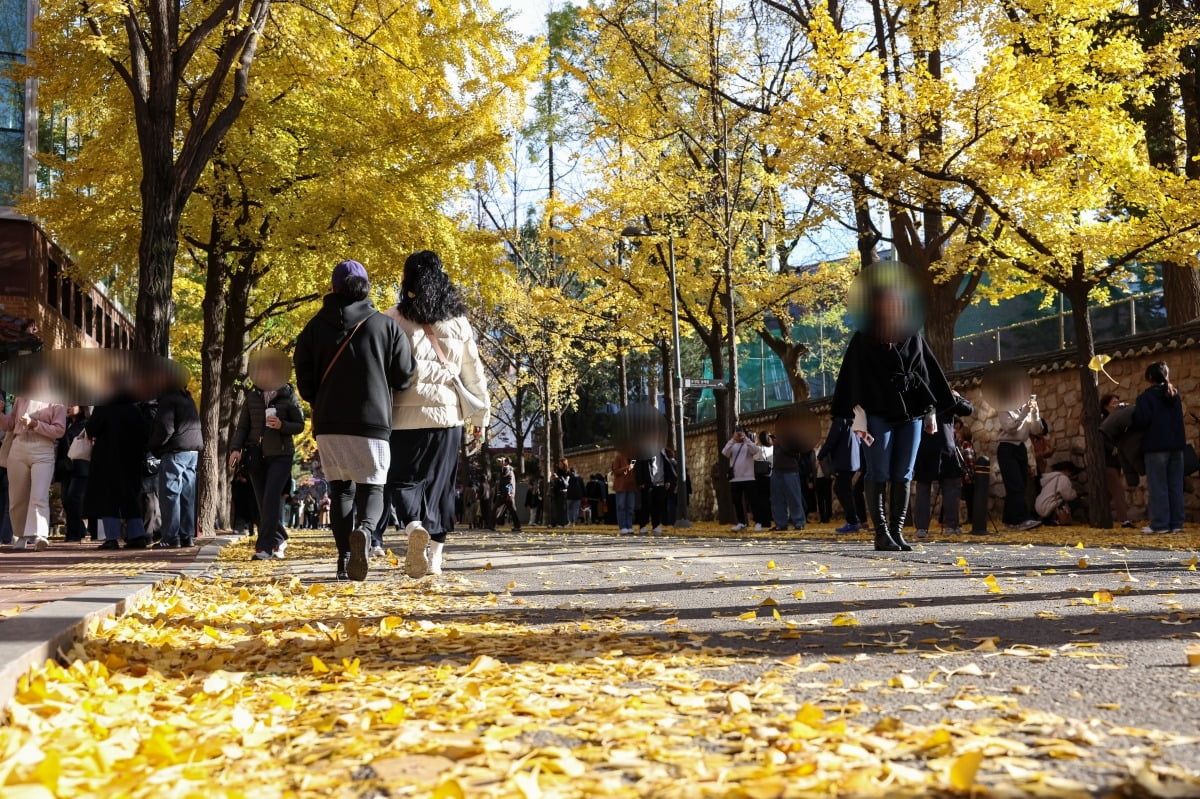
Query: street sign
(702, 382)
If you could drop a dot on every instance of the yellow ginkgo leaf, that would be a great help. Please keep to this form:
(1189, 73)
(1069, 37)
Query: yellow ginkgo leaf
(768, 603)
(964, 768)
(318, 666)
(771, 564)
(749, 615)
(801, 594)
(1103, 597)
(450, 789)
(1097, 364)
(845, 620)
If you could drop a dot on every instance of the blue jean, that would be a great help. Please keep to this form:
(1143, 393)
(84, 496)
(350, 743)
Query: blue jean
(111, 526)
(573, 506)
(626, 505)
(177, 496)
(893, 454)
(787, 500)
(1164, 479)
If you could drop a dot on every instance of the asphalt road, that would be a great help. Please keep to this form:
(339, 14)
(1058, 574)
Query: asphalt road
(1041, 635)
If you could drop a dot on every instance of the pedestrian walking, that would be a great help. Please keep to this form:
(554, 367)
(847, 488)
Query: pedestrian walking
(741, 450)
(450, 392)
(1017, 426)
(508, 495)
(263, 440)
(560, 481)
(34, 425)
(176, 441)
(470, 500)
(939, 461)
(787, 481)
(965, 441)
(843, 450)
(1158, 414)
(1109, 404)
(891, 384)
(349, 361)
(823, 490)
(762, 480)
(120, 437)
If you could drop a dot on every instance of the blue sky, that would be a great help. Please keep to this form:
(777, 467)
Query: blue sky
(531, 14)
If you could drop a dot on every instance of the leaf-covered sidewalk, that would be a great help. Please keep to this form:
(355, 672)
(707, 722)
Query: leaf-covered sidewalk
(587, 666)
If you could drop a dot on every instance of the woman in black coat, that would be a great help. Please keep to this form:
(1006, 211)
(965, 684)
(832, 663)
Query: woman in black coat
(890, 384)
(270, 417)
(114, 487)
(73, 475)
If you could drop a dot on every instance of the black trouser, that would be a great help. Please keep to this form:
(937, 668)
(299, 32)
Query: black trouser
(762, 499)
(810, 496)
(742, 493)
(851, 496)
(346, 500)
(73, 489)
(654, 506)
(423, 476)
(270, 477)
(508, 510)
(1014, 471)
(824, 492)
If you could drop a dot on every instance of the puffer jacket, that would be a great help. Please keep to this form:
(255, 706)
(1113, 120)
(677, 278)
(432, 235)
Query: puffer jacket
(252, 423)
(432, 401)
(1056, 489)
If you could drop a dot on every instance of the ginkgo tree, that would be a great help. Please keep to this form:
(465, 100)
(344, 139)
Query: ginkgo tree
(692, 170)
(355, 143)
(1043, 158)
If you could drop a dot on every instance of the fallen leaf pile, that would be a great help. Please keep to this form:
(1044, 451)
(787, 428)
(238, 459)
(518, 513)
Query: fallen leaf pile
(260, 685)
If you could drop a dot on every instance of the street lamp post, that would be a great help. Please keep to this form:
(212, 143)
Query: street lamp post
(681, 502)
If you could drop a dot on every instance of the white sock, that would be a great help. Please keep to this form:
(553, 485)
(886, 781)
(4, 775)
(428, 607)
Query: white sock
(435, 556)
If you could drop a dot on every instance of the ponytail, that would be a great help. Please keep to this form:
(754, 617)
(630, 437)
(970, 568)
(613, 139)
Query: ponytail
(1159, 374)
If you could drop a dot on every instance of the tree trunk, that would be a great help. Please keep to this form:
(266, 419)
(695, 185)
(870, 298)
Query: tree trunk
(940, 321)
(556, 436)
(157, 248)
(791, 354)
(518, 418)
(211, 473)
(669, 405)
(1099, 504)
(724, 432)
(622, 377)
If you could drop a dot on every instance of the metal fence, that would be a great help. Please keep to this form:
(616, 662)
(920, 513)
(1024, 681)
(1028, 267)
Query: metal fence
(1129, 316)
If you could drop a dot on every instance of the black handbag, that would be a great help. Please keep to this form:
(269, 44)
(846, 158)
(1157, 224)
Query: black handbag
(762, 469)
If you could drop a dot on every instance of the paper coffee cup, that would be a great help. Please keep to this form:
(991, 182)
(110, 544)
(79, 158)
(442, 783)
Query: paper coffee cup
(272, 412)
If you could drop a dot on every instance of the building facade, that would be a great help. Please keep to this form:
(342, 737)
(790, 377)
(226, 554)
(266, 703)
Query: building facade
(18, 102)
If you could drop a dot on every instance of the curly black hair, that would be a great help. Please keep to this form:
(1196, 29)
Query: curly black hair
(426, 294)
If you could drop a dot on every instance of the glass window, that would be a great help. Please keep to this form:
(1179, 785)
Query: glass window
(12, 165)
(12, 104)
(77, 307)
(13, 27)
(89, 316)
(53, 281)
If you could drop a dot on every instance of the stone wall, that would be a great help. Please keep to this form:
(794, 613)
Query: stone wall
(1056, 383)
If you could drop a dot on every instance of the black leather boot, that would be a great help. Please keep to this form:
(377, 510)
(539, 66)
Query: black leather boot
(898, 511)
(343, 561)
(877, 510)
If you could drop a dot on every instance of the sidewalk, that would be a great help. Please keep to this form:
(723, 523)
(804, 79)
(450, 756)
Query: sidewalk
(48, 598)
(30, 579)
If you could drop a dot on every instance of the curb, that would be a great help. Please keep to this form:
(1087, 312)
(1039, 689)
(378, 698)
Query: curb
(44, 633)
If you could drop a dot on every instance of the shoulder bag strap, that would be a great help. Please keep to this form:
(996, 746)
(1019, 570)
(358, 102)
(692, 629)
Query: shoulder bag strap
(437, 347)
(342, 349)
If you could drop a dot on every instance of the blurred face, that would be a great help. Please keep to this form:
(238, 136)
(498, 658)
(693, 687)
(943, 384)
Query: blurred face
(1113, 404)
(890, 318)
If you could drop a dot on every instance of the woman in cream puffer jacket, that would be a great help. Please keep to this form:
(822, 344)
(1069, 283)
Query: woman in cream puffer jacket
(428, 418)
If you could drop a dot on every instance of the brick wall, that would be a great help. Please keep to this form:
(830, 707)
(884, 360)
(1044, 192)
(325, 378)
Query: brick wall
(1055, 381)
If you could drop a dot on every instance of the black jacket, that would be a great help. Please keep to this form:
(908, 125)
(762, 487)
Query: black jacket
(114, 486)
(177, 425)
(842, 447)
(252, 423)
(356, 399)
(1160, 418)
(899, 383)
(641, 470)
(938, 457)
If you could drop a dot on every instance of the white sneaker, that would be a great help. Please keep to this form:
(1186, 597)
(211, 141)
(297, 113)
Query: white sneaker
(23, 543)
(657, 530)
(416, 563)
(41, 544)
(922, 533)
(644, 530)
(758, 528)
(1152, 531)
(626, 531)
(1177, 530)
(280, 551)
(435, 556)
(1029, 524)
(377, 552)
(737, 528)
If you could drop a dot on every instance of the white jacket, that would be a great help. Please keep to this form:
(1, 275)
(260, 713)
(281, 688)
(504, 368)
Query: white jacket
(432, 401)
(1056, 489)
(741, 459)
